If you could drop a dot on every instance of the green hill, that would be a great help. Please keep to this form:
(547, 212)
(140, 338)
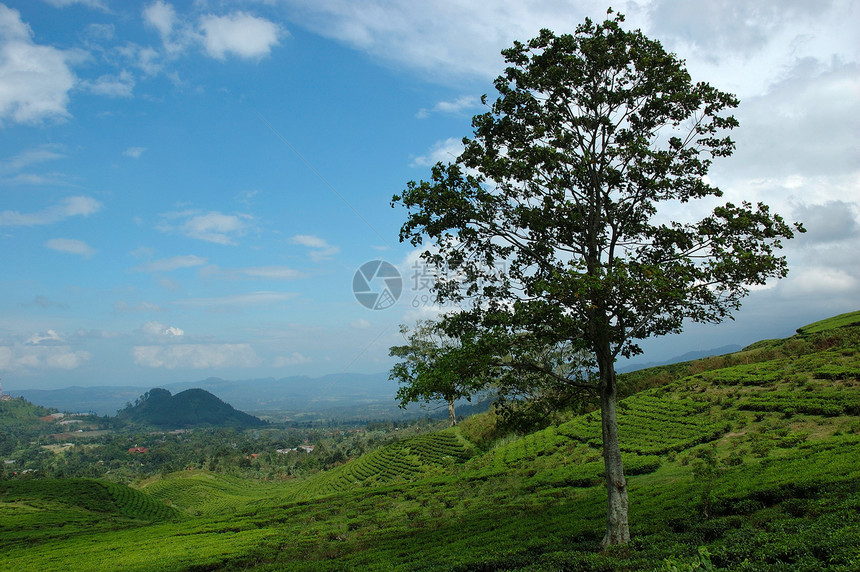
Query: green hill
(742, 462)
(189, 408)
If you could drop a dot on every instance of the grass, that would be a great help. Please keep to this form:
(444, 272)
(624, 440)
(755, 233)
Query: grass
(749, 465)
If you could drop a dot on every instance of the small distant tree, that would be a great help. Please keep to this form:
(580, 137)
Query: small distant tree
(435, 366)
(553, 217)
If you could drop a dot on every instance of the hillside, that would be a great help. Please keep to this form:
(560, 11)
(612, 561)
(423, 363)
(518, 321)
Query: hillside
(745, 461)
(187, 409)
(19, 422)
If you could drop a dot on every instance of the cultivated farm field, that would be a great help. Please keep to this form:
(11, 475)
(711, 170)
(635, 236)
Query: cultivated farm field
(745, 461)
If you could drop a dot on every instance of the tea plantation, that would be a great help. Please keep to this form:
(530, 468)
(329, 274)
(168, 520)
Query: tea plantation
(749, 461)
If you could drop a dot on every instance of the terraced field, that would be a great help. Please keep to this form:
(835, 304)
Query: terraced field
(200, 493)
(407, 460)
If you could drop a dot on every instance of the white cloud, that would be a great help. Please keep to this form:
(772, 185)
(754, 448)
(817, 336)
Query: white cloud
(294, 358)
(239, 34)
(109, 85)
(35, 79)
(68, 207)
(29, 357)
(213, 226)
(459, 105)
(49, 336)
(248, 299)
(71, 246)
(320, 249)
(161, 16)
(134, 152)
(445, 151)
(195, 356)
(360, 324)
(172, 263)
(157, 330)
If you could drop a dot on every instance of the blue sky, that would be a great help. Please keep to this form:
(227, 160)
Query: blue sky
(188, 188)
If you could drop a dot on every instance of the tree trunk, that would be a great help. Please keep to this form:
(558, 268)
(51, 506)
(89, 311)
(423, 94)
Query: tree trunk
(452, 417)
(617, 528)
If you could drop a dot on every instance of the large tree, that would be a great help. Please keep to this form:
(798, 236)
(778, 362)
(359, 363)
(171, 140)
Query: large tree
(556, 220)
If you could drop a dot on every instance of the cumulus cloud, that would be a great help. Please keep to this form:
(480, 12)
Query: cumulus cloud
(68, 207)
(36, 79)
(172, 263)
(320, 249)
(213, 226)
(195, 356)
(238, 34)
(71, 246)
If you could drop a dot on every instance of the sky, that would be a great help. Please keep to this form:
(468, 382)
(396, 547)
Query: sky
(193, 189)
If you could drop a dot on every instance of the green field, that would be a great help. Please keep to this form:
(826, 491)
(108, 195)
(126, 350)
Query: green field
(746, 462)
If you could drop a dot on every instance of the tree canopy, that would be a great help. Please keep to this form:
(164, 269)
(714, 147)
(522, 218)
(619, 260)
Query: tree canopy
(556, 220)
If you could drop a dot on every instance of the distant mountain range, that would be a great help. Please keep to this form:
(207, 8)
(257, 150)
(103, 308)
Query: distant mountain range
(689, 356)
(345, 393)
(187, 409)
(296, 393)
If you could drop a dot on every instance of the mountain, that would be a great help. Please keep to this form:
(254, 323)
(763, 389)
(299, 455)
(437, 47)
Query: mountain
(190, 408)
